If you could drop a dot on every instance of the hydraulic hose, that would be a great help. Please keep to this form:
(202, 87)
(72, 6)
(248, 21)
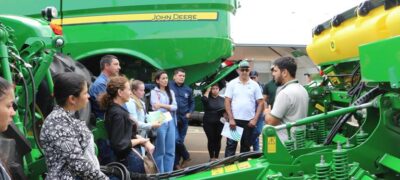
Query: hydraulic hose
(32, 107)
(25, 86)
(116, 169)
(342, 119)
(33, 110)
(119, 170)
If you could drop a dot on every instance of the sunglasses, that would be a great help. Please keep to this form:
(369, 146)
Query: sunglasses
(244, 69)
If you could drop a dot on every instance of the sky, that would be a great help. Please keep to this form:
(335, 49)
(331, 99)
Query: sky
(283, 21)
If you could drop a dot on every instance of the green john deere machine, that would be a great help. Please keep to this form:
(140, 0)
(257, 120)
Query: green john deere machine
(352, 129)
(354, 112)
(145, 35)
(27, 48)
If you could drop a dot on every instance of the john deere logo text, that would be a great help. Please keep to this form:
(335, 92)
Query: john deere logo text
(175, 17)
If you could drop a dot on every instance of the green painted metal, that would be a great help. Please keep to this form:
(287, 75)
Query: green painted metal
(34, 29)
(340, 61)
(385, 70)
(324, 116)
(322, 169)
(241, 170)
(273, 149)
(367, 144)
(4, 55)
(340, 96)
(30, 47)
(391, 162)
(340, 163)
(100, 131)
(364, 151)
(197, 45)
(222, 74)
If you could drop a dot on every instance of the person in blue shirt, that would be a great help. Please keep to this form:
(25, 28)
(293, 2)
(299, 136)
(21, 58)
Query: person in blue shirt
(137, 109)
(109, 66)
(185, 101)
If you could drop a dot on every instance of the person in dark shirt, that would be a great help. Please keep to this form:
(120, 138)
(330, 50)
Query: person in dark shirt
(214, 109)
(269, 91)
(6, 113)
(185, 101)
(122, 130)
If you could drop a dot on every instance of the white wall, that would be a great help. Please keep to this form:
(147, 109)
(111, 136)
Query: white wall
(304, 65)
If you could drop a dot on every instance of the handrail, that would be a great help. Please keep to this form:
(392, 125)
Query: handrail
(326, 115)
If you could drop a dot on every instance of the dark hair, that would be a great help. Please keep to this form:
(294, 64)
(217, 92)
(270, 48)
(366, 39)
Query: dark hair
(179, 70)
(157, 77)
(216, 84)
(107, 59)
(116, 83)
(287, 63)
(4, 86)
(67, 84)
(253, 73)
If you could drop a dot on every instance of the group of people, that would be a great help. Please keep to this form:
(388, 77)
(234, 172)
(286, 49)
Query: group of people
(250, 105)
(120, 103)
(69, 145)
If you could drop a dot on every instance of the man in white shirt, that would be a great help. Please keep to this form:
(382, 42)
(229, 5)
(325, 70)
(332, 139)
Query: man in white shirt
(291, 101)
(242, 96)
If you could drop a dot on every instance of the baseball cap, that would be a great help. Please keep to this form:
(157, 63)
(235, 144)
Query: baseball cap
(244, 64)
(253, 73)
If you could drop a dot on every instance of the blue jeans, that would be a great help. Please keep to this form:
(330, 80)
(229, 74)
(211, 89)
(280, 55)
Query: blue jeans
(133, 162)
(257, 132)
(164, 154)
(181, 131)
(106, 154)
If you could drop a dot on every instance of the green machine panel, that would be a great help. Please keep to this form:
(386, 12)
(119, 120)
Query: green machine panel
(379, 61)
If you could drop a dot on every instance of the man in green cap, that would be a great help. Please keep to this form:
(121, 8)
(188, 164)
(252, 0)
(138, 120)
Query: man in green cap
(242, 96)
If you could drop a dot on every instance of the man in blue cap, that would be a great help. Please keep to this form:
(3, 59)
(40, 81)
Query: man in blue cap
(242, 96)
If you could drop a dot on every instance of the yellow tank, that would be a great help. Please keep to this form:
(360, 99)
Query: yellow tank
(342, 42)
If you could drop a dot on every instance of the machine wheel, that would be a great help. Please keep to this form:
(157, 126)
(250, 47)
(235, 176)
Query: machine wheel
(62, 63)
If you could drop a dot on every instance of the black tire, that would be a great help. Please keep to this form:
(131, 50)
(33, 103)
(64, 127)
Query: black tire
(64, 63)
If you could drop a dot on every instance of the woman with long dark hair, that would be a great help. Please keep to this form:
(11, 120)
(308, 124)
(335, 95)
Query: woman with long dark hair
(163, 99)
(67, 142)
(6, 114)
(122, 130)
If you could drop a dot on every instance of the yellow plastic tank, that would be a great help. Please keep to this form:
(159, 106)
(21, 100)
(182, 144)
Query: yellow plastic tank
(342, 42)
